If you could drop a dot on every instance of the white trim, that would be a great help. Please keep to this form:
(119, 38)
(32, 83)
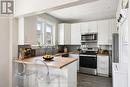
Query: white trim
(129, 46)
(21, 31)
(10, 50)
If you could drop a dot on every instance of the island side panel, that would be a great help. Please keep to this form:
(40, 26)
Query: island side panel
(60, 77)
(70, 75)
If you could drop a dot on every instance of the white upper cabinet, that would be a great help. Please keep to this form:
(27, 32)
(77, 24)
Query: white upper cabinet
(64, 34)
(60, 34)
(105, 30)
(112, 29)
(113, 25)
(71, 33)
(89, 27)
(84, 27)
(75, 34)
(92, 27)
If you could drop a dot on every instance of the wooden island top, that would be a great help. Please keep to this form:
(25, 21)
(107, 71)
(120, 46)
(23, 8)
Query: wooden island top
(57, 62)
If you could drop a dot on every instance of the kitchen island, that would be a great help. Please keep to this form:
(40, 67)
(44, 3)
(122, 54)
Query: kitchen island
(62, 71)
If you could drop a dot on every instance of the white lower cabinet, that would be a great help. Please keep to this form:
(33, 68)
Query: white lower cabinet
(103, 65)
(75, 56)
(89, 27)
(103, 32)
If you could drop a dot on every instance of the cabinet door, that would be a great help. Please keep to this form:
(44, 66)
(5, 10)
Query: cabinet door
(61, 34)
(75, 34)
(103, 65)
(64, 34)
(84, 28)
(103, 29)
(112, 29)
(113, 26)
(92, 27)
(67, 34)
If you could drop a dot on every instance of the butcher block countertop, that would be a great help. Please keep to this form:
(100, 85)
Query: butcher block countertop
(102, 54)
(57, 62)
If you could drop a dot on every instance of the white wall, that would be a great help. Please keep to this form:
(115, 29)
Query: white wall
(30, 27)
(29, 6)
(30, 30)
(21, 31)
(4, 51)
(13, 45)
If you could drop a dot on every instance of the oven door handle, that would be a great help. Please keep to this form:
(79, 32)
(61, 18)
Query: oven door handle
(88, 55)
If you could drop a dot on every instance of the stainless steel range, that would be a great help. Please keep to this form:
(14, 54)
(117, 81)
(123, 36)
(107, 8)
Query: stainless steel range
(88, 54)
(88, 62)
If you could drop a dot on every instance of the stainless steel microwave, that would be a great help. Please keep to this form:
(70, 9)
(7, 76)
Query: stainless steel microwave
(89, 37)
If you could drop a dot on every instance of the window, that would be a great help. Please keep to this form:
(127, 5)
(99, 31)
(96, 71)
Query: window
(44, 33)
(40, 34)
(48, 36)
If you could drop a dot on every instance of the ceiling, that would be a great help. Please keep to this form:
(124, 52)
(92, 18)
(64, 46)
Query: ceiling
(97, 10)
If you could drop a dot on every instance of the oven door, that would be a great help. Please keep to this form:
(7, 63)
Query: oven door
(88, 64)
(88, 61)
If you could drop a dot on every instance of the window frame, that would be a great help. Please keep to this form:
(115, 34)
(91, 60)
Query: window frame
(50, 25)
(43, 33)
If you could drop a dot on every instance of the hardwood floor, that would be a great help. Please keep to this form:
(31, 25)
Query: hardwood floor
(93, 81)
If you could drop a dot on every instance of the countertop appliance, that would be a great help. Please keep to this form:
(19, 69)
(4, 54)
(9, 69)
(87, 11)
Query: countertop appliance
(88, 62)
